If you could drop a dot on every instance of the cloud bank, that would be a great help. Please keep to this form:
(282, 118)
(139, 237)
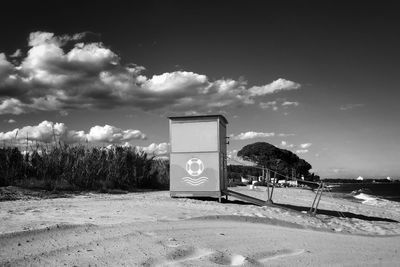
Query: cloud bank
(63, 72)
(159, 150)
(49, 132)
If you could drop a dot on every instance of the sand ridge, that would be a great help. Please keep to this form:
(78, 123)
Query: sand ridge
(194, 243)
(103, 209)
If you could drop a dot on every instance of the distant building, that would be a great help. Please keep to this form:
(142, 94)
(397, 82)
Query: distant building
(288, 183)
(244, 180)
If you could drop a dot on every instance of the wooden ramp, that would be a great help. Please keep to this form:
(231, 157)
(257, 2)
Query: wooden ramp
(244, 197)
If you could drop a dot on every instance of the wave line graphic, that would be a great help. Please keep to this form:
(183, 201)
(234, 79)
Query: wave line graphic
(195, 181)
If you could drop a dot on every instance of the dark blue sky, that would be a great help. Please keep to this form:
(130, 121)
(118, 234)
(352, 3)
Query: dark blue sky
(340, 111)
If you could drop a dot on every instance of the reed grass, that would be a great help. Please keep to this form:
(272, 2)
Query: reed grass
(65, 167)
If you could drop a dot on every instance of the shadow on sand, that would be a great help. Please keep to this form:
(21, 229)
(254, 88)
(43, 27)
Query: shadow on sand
(335, 213)
(332, 213)
(223, 200)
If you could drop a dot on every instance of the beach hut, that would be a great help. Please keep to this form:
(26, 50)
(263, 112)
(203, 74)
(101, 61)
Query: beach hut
(198, 159)
(198, 156)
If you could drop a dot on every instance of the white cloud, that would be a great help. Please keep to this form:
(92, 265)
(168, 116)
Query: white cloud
(251, 135)
(111, 134)
(48, 132)
(270, 104)
(45, 131)
(9, 136)
(40, 38)
(11, 106)
(16, 54)
(93, 53)
(274, 105)
(305, 145)
(350, 106)
(301, 151)
(275, 86)
(172, 82)
(286, 144)
(54, 76)
(285, 134)
(289, 103)
(11, 121)
(160, 149)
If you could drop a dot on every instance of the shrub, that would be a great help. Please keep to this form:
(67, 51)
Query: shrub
(82, 168)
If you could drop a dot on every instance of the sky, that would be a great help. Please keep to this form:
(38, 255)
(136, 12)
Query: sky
(319, 78)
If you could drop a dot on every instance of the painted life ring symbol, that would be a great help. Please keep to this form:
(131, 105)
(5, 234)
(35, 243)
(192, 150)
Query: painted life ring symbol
(194, 171)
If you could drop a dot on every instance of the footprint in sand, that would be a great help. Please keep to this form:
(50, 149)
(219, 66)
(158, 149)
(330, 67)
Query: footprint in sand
(171, 243)
(183, 254)
(222, 258)
(148, 263)
(151, 234)
(276, 254)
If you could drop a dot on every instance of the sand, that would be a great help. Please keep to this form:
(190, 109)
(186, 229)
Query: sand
(152, 229)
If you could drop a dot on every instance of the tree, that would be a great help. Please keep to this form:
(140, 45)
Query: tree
(276, 159)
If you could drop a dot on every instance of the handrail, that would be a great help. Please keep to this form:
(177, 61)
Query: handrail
(321, 186)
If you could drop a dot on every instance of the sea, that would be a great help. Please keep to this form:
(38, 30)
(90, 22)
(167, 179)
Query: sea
(366, 192)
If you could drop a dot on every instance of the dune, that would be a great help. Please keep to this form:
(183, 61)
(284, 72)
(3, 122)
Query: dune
(152, 229)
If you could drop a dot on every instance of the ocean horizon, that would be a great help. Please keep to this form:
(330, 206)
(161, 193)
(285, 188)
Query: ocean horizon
(362, 191)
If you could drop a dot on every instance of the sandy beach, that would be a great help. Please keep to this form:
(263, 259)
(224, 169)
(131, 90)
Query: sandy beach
(152, 229)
